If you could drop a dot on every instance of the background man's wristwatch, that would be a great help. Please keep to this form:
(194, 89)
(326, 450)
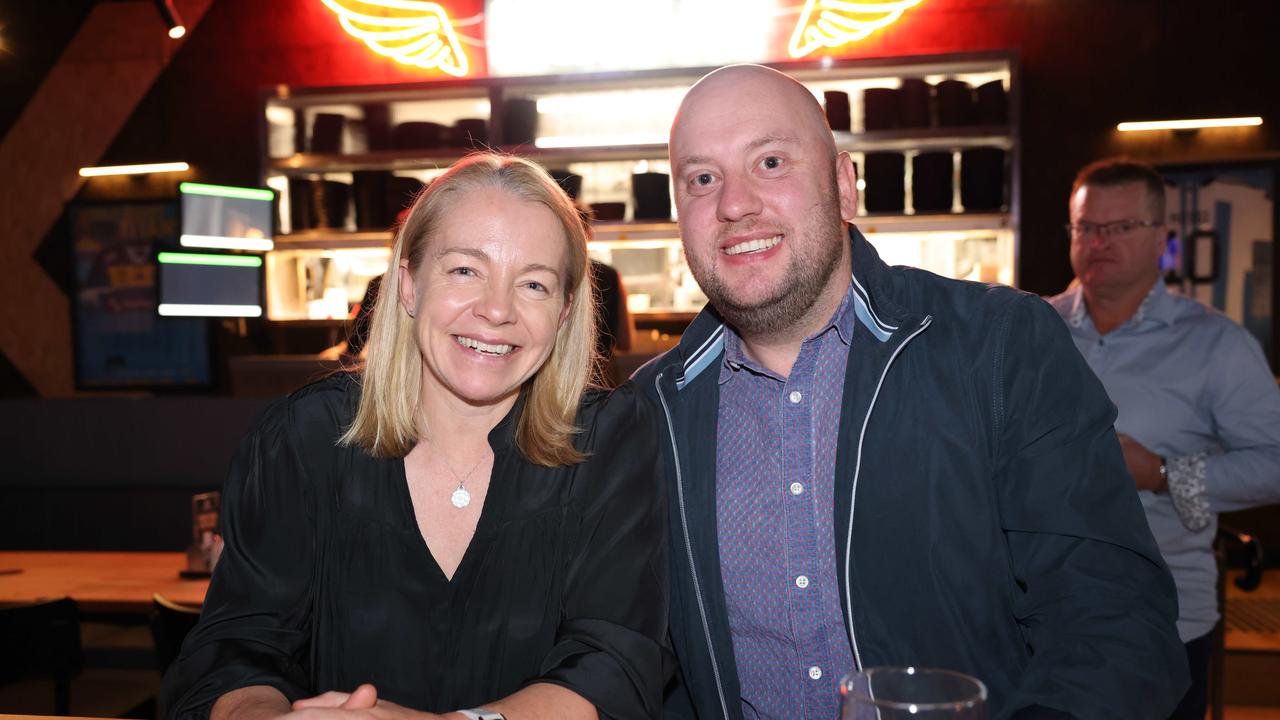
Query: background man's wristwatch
(482, 714)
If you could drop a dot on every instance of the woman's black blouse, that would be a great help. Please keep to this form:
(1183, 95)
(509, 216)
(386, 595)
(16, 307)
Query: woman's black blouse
(326, 581)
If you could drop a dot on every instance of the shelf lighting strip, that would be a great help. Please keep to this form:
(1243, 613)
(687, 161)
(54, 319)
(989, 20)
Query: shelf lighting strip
(238, 193)
(585, 141)
(167, 258)
(185, 310)
(1189, 124)
(134, 169)
(227, 243)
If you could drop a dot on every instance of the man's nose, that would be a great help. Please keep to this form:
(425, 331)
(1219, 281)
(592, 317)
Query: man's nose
(739, 199)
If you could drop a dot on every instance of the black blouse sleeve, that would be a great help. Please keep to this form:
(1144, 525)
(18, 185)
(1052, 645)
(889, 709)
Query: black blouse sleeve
(609, 645)
(255, 626)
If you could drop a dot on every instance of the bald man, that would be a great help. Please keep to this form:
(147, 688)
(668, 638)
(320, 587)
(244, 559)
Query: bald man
(879, 466)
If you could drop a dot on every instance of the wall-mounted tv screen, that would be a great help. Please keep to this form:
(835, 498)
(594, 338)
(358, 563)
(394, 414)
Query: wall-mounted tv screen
(209, 285)
(226, 218)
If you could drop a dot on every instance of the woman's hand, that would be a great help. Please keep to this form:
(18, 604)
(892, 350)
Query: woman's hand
(361, 703)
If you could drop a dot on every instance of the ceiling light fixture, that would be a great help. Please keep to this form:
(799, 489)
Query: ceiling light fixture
(1189, 124)
(134, 169)
(171, 18)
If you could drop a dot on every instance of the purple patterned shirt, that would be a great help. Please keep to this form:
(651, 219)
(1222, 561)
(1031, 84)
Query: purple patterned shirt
(775, 498)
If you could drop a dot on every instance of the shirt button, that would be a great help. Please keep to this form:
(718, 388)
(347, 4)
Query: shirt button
(815, 673)
(802, 581)
(795, 397)
(796, 488)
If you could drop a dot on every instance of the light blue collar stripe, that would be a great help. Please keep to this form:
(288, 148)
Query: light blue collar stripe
(702, 361)
(863, 311)
(865, 297)
(715, 335)
(864, 314)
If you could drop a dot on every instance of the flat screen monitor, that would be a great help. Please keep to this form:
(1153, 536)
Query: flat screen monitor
(193, 284)
(226, 218)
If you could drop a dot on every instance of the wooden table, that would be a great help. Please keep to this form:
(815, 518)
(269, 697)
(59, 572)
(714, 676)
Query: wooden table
(101, 582)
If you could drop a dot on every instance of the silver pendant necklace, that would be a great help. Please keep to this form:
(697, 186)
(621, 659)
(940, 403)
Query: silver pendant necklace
(460, 497)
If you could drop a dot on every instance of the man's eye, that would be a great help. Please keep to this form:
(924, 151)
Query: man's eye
(772, 162)
(465, 271)
(702, 179)
(1124, 228)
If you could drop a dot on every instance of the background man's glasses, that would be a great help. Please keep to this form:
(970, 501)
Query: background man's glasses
(1117, 229)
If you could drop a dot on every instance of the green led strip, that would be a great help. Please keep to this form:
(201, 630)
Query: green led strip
(166, 258)
(191, 188)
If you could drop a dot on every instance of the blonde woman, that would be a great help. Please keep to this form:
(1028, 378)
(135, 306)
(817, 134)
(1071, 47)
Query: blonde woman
(463, 530)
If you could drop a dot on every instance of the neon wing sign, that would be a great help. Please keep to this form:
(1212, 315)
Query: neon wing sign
(832, 23)
(413, 32)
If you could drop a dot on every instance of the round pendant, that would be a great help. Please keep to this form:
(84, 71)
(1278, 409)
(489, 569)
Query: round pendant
(460, 497)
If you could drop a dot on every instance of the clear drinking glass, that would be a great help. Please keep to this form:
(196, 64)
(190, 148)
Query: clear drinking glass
(890, 693)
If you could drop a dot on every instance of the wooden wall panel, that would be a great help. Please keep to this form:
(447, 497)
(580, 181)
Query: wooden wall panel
(85, 99)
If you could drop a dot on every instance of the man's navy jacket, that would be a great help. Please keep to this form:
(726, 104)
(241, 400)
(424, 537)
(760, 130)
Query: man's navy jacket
(985, 520)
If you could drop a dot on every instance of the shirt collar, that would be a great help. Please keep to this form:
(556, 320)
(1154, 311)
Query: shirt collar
(735, 358)
(1157, 306)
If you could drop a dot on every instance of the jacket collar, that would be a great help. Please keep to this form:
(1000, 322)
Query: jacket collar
(702, 343)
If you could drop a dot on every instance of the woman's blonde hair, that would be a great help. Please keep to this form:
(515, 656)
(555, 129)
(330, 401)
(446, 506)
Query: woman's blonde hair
(385, 422)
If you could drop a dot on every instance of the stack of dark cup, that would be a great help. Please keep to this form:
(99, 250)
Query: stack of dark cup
(378, 196)
(917, 105)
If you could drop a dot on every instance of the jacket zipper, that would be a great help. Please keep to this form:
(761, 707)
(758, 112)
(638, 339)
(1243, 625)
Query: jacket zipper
(853, 496)
(688, 546)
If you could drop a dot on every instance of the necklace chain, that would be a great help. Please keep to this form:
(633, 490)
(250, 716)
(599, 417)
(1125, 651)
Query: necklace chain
(463, 478)
(460, 498)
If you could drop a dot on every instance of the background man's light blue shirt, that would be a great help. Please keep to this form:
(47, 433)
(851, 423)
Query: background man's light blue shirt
(1193, 387)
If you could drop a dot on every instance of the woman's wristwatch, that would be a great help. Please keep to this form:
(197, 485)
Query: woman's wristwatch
(482, 714)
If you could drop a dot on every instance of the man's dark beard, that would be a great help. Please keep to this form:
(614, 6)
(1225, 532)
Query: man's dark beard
(786, 307)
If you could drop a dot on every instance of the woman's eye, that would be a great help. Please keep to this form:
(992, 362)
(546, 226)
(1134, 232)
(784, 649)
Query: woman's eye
(465, 271)
(535, 285)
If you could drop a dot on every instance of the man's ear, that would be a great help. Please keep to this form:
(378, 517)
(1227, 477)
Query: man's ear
(1161, 241)
(408, 296)
(847, 185)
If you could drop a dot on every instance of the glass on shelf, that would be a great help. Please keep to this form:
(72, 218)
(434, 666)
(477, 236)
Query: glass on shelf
(310, 284)
(982, 254)
(655, 273)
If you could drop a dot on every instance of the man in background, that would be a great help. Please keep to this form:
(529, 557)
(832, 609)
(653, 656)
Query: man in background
(1199, 411)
